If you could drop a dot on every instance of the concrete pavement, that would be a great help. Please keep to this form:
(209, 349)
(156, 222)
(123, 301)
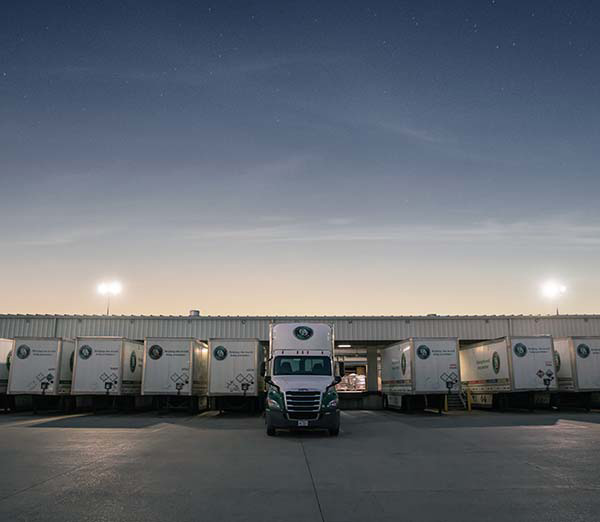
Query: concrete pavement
(384, 466)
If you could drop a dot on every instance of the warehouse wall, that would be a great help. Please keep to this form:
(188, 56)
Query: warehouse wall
(347, 328)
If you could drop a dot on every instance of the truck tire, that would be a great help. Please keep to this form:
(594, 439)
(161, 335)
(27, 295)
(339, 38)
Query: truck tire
(334, 432)
(271, 432)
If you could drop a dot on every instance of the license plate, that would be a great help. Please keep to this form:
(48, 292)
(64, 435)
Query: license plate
(302, 423)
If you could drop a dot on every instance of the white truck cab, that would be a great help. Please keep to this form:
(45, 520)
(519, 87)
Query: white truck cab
(301, 378)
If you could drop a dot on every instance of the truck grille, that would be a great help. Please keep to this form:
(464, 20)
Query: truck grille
(303, 404)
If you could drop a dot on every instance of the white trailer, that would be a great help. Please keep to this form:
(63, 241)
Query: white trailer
(420, 372)
(578, 369)
(107, 366)
(41, 366)
(6, 346)
(236, 372)
(175, 367)
(517, 371)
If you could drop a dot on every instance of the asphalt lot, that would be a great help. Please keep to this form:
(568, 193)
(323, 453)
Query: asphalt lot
(384, 466)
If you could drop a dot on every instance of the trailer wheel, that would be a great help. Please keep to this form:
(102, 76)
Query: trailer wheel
(271, 432)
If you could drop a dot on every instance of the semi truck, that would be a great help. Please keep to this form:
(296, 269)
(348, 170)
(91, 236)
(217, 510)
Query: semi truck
(419, 373)
(510, 372)
(301, 378)
(109, 367)
(175, 372)
(577, 362)
(236, 374)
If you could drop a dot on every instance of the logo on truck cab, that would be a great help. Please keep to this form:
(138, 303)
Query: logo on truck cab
(219, 353)
(303, 333)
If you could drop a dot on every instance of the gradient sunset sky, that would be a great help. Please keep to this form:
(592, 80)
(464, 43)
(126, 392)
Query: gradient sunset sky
(239, 157)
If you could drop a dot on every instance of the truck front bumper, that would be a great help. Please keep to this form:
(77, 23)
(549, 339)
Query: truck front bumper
(328, 420)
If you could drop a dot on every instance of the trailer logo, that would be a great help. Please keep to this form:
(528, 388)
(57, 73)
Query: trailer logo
(23, 351)
(155, 352)
(557, 361)
(303, 333)
(132, 362)
(403, 363)
(85, 352)
(496, 362)
(583, 350)
(520, 350)
(220, 353)
(423, 352)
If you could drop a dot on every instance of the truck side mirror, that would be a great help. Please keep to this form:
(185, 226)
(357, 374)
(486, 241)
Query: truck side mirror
(268, 379)
(338, 379)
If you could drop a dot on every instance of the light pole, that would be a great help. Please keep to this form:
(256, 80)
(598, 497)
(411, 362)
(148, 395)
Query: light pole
(108, 289)
(553, 290)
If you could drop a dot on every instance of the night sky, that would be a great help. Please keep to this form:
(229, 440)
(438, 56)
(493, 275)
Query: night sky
(324, 157)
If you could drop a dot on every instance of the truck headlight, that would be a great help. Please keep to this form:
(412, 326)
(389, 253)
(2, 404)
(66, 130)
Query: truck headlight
(273, 404)
(275, 399)
(330, 398)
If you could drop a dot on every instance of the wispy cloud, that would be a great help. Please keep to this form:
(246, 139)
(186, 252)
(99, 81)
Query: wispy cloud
(413, 133)
(210, 67)
(59, 237)
(551, 233)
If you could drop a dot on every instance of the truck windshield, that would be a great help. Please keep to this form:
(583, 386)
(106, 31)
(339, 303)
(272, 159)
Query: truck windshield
(290, 365)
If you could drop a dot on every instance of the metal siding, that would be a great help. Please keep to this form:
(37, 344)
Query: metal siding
(347, 328)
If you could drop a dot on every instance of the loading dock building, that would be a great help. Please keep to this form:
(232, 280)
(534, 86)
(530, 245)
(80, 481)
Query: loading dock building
(359, 338)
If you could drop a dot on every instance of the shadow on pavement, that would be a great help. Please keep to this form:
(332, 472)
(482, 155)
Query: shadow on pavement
(100, 421)
(490, 419)
(213, 420)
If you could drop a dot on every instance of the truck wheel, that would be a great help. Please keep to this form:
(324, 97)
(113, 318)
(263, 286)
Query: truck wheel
(271, 432)
(334, 432)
